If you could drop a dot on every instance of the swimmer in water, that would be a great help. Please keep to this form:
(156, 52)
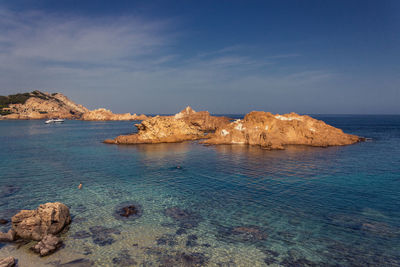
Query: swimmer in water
(80, 186)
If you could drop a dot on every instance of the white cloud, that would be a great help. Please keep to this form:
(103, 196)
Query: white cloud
(128, 61)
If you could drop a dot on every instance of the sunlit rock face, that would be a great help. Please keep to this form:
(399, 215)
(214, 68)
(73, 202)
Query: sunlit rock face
(275, 131)
(39, 105)
(183, 126)
(102, 114)
(49, 218)
(44, 105)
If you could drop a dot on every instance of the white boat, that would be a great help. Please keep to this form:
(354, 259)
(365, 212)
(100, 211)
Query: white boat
(54, 121)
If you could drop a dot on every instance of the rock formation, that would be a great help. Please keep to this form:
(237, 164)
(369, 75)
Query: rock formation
(39, 105)
(7, 262)
(7, 237)
(183, 126)
(47, 245)
(102, 114)
(275, 131)
(49, 218)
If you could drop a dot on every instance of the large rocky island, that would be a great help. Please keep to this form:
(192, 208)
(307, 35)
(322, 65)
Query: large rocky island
(257, 128)
(39, 105)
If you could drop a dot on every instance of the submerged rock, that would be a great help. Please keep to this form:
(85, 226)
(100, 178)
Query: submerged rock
(128, 211)
(186, 219)
(81, 235)
(48, 245)
(3, 221)
(49, 218)
(167, 240)
(102, 235)
(250, 234)
(74, 263)
(7, 262)
(183, 259)
(124, 259)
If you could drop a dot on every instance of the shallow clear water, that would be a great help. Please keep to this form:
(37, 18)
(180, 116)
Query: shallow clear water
(336, 206)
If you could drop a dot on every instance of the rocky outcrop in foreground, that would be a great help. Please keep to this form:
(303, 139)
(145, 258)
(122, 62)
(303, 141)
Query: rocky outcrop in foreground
(47, 245)
(183, 126)
(49, 218)
(39, 105)
(102, 114)
(7, 262)
(276, 131)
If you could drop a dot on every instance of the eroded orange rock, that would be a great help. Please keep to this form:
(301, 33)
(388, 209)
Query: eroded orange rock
(49, 218)
(276, 131)
(39, 105)
(183, 126)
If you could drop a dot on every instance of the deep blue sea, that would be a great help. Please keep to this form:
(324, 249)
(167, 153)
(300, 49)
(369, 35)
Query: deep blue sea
(226, 206)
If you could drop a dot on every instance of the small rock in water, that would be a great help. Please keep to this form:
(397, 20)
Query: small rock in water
(7, 262)
(3, 221)
(47, 245)
(128, 211)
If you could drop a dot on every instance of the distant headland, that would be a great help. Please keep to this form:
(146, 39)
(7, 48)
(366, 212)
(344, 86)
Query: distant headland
(39, 105)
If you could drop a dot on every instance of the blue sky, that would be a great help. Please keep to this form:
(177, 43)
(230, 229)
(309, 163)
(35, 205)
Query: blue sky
(221, 56)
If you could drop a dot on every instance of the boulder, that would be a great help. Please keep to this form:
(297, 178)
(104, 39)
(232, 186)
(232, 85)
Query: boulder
(7, 262)
(47, 245)
(49, 218)
(7, 237)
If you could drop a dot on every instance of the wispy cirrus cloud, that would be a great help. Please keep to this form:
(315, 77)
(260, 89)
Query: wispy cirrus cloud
(127, 61)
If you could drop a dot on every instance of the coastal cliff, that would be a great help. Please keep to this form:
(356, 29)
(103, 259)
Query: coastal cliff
(276, 131)
(39, 105)
(257, 128)
(183, 126)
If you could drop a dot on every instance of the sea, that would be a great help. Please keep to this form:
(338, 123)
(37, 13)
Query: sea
(227, 205)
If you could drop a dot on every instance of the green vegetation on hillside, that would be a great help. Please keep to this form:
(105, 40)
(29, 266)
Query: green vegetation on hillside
(14, 99)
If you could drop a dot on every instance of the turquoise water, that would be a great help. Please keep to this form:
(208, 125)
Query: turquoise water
(226, 206)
